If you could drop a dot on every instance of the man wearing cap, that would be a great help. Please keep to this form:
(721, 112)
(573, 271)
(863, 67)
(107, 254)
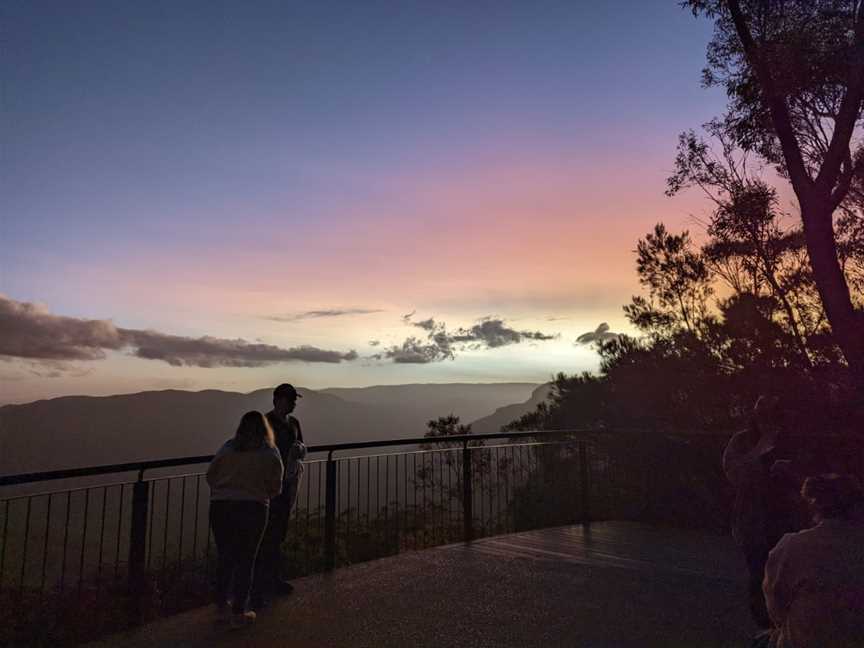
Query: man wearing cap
(289, 442)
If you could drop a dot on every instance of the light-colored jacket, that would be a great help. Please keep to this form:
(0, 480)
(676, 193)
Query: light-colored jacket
(744, 469)
(250, 475)
(814, 586)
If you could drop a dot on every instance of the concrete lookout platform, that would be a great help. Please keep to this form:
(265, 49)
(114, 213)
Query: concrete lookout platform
(609, 584)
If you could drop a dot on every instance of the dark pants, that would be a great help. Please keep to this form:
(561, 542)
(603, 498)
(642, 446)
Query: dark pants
(757, 556)
(237, 528)
(268, 567)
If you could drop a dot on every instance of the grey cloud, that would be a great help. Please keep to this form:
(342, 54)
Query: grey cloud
(494, 333)
(30, 332)
(440, 344)
(600, 334)
(374, 343)
(211, 352)
(426, 325)
(415, 351)
(316, 314)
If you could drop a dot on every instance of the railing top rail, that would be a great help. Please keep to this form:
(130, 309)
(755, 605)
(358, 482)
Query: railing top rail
(142, 466)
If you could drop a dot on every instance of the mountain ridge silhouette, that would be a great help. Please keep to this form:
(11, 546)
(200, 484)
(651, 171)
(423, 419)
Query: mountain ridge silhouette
(77, 431)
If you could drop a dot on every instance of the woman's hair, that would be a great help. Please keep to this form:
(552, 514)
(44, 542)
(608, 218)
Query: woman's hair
(833, 495)
(254, 432)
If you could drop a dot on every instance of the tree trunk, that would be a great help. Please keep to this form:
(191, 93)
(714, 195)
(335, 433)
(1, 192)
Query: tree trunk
(846, 323)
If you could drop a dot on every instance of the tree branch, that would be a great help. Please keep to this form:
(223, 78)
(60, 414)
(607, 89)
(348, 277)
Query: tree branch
(850, 169)
(801, 180)
(847, 116)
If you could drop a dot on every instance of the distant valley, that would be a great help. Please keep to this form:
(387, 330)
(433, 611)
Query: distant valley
(77, 431)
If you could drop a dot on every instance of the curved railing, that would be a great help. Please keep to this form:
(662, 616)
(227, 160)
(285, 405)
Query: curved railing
(91, 550)
(136, 532)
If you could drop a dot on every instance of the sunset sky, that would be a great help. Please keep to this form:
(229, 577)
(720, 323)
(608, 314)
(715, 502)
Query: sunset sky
(177, 177)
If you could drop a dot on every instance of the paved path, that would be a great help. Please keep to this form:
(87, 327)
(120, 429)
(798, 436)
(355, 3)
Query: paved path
(614, 584)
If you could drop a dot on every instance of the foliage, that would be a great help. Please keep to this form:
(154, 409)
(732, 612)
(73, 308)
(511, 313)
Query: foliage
(702, 359)
(793, 71)
(677, 280)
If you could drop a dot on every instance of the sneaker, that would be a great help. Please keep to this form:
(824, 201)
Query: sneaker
(243, 619)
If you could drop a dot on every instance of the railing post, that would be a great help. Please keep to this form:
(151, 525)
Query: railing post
(467, 494)
(138, 548)
(584, 483)
(330, 515)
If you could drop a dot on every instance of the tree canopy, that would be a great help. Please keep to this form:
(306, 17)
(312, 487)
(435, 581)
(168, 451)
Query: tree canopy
(793, 71)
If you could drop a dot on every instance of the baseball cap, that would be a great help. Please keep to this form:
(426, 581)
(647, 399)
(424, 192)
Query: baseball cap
(287, 390)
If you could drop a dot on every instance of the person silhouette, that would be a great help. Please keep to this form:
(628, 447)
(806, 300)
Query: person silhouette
(747, 463)
(269, 577)
(243, 477)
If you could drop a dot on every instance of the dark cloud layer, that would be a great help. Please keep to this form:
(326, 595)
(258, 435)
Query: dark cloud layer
(217, 352)
(30, 332)
(441, 344)
(316, 314)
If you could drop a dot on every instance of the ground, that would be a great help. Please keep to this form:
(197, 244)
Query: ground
(608, 584)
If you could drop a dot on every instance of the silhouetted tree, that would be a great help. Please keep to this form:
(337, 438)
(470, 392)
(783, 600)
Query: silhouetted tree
(794, 75)
(751, 247)
(450, 460)
(678, 284)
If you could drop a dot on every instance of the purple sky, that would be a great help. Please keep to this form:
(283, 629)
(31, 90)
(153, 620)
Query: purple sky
(220, 169)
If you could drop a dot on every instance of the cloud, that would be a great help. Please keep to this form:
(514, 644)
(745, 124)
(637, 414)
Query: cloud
(211, 352)
(374, 343)
(426, 325)
(415, 351)
(329, 312)
(600, 334)
(441, 344)
(30, 332)
(494, 333)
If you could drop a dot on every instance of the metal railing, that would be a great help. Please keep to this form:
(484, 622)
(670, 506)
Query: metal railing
(109, 546)
(140, 545)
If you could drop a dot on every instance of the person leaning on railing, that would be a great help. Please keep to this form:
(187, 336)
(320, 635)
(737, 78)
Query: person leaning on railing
(243, 477)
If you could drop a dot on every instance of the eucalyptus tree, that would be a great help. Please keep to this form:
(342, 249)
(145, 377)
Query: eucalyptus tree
(794, 74)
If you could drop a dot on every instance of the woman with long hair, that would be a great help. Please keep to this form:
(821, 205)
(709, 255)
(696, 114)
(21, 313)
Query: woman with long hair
(243, 476)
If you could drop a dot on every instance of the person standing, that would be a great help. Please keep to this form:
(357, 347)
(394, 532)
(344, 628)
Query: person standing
(747, 464)
(244, 476)
(269, 579)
